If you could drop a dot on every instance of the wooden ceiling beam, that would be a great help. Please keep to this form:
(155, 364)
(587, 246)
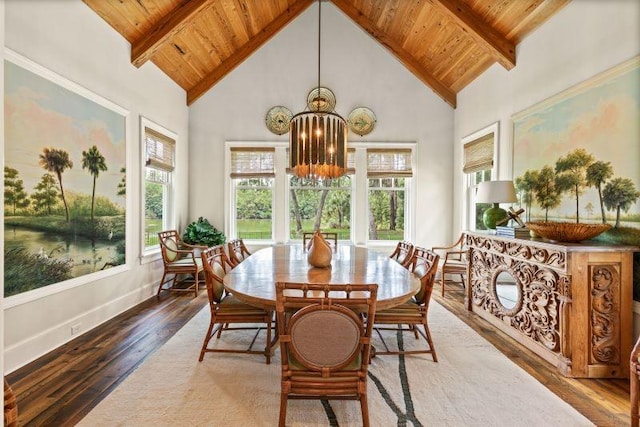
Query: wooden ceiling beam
(486, 36)
(247, 49)
(144, 48)
(398, 51)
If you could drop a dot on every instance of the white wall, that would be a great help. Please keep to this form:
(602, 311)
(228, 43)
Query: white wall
(73, 41)
(360, 72)
(583, 39)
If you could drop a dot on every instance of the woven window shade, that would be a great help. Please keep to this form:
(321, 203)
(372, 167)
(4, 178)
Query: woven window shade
(252, 162)
(159, 151)
(478, 154)
(351, 161)
(389, 163)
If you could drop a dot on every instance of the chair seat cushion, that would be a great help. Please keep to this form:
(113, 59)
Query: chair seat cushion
(233, 306)
(408, 310)
(185, 262)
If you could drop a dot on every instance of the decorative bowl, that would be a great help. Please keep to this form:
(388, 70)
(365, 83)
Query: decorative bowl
(569, 232)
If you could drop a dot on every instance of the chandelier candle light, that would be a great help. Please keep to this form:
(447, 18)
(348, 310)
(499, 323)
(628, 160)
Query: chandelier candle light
(318, 138)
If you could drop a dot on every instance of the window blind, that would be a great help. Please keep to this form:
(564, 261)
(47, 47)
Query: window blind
(160, 151)
(478, 154)
(252, 162)
(389, 163)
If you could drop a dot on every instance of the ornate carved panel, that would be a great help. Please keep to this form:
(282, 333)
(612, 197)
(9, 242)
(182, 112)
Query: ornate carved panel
(605, 321)
(537, 313)
(515, 249)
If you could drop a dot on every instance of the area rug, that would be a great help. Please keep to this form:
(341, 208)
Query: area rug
(473, 384)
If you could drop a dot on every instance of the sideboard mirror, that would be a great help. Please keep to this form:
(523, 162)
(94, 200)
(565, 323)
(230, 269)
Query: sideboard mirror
(507, 291)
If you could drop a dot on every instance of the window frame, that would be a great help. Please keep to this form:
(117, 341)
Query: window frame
(168, 208)
(409, 194)
(359, 193)
(469, 191)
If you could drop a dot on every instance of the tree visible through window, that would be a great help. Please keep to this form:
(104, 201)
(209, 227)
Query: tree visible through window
(322, 206)
(388, 172)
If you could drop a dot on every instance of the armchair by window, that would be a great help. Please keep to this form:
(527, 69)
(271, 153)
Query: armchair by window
(179, 258)
(453, 262)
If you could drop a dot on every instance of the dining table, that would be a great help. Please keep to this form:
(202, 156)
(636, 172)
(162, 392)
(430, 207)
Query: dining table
(253, 280)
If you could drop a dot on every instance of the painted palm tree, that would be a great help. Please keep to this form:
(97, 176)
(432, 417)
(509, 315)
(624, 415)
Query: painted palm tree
(94, 161)
(597, 174)
(56, 161)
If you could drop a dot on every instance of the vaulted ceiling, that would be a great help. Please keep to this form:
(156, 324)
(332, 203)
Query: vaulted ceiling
(445, 43)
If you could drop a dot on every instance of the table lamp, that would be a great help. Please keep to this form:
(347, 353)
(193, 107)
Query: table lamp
(495, 192)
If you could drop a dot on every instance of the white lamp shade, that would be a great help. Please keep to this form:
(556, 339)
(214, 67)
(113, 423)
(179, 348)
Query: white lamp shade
(496, 192)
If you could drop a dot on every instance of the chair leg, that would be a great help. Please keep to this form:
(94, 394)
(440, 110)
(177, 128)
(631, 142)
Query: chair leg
(164, 275)
(427, 333)
(442, 283)
(207, 338)
(283, 409)
(268, 349)
(364, 406)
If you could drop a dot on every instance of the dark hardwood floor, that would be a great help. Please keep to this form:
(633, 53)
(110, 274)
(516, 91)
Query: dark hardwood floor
(61, 387)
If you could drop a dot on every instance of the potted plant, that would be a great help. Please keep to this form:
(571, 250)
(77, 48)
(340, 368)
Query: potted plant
(201, 232)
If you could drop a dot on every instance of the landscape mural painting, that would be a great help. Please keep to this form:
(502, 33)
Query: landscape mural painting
(577, 157)
(64, 179)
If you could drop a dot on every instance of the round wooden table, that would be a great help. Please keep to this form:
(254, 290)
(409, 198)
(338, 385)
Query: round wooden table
(253, 281)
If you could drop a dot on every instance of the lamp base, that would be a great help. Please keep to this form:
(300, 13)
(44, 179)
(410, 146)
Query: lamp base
(492, 215)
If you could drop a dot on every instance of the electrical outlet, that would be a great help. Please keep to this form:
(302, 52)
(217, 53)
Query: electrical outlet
(75, 329)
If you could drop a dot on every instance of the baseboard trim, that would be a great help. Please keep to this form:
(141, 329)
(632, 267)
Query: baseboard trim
(36, 346)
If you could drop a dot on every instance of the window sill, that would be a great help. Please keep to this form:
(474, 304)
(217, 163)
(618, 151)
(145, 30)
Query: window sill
(150, 256)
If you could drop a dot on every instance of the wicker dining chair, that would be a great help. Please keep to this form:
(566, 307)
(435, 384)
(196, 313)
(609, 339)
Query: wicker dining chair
(179, 258)
(237, 251)
(414, 313)
(330, 236)
(454, 262)
(226, 310)
(325, 342)
(402, 253)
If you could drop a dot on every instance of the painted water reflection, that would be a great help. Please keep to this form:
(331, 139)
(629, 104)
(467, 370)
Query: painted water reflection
(84, 255)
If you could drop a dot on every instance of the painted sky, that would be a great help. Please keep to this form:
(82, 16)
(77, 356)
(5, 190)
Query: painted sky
(40, 113)
(604, 119)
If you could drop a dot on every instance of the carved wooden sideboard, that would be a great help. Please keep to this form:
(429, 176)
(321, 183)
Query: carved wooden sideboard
(574, 301)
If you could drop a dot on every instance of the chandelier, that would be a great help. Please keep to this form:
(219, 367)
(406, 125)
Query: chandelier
(318, 138)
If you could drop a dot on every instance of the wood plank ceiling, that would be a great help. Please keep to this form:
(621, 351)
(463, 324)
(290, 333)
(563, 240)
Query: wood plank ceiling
(445, 43)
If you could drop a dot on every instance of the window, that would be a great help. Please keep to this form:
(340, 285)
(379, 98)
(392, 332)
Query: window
(325, 206)
(252, 177)
(388, 173)
(267, 205)
(479, 154)
(159, 152)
